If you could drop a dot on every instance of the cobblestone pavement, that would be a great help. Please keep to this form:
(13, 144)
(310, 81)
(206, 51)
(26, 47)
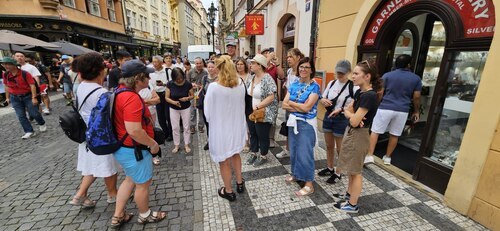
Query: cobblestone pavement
(38, 178)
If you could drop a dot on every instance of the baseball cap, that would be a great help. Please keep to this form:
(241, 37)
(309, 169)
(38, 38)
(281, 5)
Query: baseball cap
(133, 67)
(343, 66)
(63, 57)
(9, 60)
(265, 50)
(231, 44)
(260, 59)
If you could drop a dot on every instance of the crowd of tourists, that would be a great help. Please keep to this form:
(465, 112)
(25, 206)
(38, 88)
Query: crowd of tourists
(237, 98)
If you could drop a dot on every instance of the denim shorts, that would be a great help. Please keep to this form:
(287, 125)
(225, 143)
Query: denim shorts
(68, 88)
(335, 125)
(140, 171)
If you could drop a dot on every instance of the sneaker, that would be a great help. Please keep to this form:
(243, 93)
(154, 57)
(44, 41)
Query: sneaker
(43, 128)
(251, 159)
(326, 172)
(282, 154)
(369, 159)
(342, 197)
(333, 178)
(387, 160)
(260, 161)
(346, 207)
(46, 111)
(28, 135)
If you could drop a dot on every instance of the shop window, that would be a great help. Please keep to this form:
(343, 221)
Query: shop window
(69, 3)
(111, 10)
(93, 7)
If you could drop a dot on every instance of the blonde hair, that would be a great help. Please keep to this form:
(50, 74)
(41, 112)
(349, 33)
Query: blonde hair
(227, 71)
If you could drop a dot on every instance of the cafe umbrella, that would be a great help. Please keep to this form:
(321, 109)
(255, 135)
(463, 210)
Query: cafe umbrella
(10, 38)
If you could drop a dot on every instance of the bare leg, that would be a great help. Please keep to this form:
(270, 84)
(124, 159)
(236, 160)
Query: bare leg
(141, 196)
(123, 195)
(225, 171)
(373, 143)
(85, 185)
(236, 165)
(357, 184)
(330, 149)
(111, 185)
(393, 142)
(46, 101)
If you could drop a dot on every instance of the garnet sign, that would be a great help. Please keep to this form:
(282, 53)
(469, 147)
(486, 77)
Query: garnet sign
(254, 24)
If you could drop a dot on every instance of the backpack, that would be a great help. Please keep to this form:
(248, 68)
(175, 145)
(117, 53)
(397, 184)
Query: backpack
(100, 135)
(72, 122)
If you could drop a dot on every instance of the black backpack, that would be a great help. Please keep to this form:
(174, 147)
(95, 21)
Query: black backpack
(72, 122)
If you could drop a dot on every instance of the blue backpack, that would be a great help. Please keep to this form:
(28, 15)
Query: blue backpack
(100, 135)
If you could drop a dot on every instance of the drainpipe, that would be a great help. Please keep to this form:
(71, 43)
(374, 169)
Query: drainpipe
(314, 30)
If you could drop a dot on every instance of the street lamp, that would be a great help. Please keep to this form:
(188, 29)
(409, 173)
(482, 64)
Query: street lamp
(211, 21)
(208, 37)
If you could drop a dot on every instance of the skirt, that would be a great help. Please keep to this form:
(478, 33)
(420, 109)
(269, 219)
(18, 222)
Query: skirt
(355, 146)
(140, 171)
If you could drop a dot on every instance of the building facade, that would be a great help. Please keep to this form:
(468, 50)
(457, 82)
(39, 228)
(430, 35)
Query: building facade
(455, 147)
(98, 25)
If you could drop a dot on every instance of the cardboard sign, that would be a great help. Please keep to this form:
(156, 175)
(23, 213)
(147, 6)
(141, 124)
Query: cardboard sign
(254, 24)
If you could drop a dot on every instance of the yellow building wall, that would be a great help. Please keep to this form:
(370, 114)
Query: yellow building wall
(474, 187)
(78, 15)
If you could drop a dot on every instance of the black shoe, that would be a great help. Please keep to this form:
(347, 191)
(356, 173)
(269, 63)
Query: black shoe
(205, 147)
(326, 172)
(169, 139)
(333, 179)
(228, 196)
(240, 188)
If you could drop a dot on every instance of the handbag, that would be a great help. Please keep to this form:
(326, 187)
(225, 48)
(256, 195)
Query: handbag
(257, 116)
(248, 101)
(284, 129)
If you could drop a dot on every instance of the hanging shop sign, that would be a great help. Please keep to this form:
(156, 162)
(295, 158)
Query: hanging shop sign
(254, 24)
(478, 17)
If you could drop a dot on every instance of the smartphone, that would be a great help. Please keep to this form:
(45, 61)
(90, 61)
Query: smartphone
(159, 82)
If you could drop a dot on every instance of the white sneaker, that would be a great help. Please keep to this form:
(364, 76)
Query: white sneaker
(369, 159)
(387, 160)
(282, 154)
(46, 111)
(43, 128)
(28, 135)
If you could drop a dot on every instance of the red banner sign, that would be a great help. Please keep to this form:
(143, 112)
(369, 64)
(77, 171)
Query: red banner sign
(254, 24)
(478, 17)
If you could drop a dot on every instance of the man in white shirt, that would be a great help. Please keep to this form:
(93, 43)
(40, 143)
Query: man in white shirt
(159, 79)
(35, 73)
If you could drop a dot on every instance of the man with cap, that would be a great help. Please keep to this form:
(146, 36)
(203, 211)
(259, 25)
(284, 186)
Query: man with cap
(115, 74)
(21, 93)
(66, 79)
(231, 51)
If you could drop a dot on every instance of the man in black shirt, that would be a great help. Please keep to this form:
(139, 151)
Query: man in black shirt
(115, 74)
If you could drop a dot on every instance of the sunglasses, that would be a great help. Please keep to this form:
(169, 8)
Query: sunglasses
(367, 63)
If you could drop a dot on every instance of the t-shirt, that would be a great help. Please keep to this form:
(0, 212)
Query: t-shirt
(160, 75)
(128, 107)
(83, 91)
(272, 70)
(300, 92)
(290, 78)
(65, 70)
(114, 75)
(368, 100)
(31, 69)
(16, 84)
(399, 87)
(332, 91)
(177, 92)
(42, 69)
(196, 77)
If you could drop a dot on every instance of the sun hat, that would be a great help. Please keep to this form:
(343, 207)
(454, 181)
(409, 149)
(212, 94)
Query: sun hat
(9, 60)
(260, 59)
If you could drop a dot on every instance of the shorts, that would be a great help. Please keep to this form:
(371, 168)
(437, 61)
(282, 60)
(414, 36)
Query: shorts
(43, 89)
(68, 88)
(140, 171)
(388, 120)
(353, 150)
(335, 125)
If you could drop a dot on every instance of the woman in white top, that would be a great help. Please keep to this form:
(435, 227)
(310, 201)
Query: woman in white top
(92, 72)
(151, 99)
(243, 73)
(294, 55)
(224, 108)
(337, 95)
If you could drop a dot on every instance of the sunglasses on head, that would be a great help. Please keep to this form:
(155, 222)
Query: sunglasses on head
(367, 63)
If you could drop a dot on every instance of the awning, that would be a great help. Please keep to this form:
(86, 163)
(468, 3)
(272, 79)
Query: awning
(110, 41)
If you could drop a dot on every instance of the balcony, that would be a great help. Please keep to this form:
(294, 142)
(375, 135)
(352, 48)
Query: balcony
(49, 4)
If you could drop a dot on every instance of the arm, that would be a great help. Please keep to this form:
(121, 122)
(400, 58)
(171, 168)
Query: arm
(306, 106)
(416, 106)
(355, 118)
(285, 105)
(137, 133)
(7, 95)
(280, 73)
(155, 99)
(170, 101)
(189, 97)
(60, 76)
(266, 102)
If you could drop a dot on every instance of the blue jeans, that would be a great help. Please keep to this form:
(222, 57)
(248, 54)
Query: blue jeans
(20, 105)
(301, 147)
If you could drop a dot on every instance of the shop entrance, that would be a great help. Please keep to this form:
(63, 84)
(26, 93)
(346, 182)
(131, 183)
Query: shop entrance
(432, 33)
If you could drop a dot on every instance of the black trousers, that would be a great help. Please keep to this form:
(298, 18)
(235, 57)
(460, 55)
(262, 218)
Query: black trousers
(206, 123)
(259, 137)
(163, 113)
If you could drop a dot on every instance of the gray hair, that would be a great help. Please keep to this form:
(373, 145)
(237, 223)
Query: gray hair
(128, 82)
(157, 57)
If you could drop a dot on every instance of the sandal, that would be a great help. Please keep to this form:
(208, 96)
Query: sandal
(84, 201)
(289, 179)
(153, 217)
(188, 149)
(116, 222)
(228, 196)
(175, 150)
(156, 161)
(240, 188)
(305, 191)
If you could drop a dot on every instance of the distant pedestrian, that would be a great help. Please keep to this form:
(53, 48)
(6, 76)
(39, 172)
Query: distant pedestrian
(178, 94)
(206, 81)
(225, 111)
(243, 73)
(263, 91)
(276, 72)
(151, 99)
(301, 101)
(231, 51)
(196, 76)
(356, 140)
(44, 81)
(159, 79)
(93, 72)
(20, 92)
(401, 88)
(65, 79)
(131, 117)
(115, 74)
(338, 94)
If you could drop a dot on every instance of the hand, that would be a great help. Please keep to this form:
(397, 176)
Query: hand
(415, 117)
(335, 112)
(361, 124)
(255, 108)
(183, 99)
(154, 149)
(326, 102)
(7, 100)
(177, 103)
(34, 101)
(350, 107)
